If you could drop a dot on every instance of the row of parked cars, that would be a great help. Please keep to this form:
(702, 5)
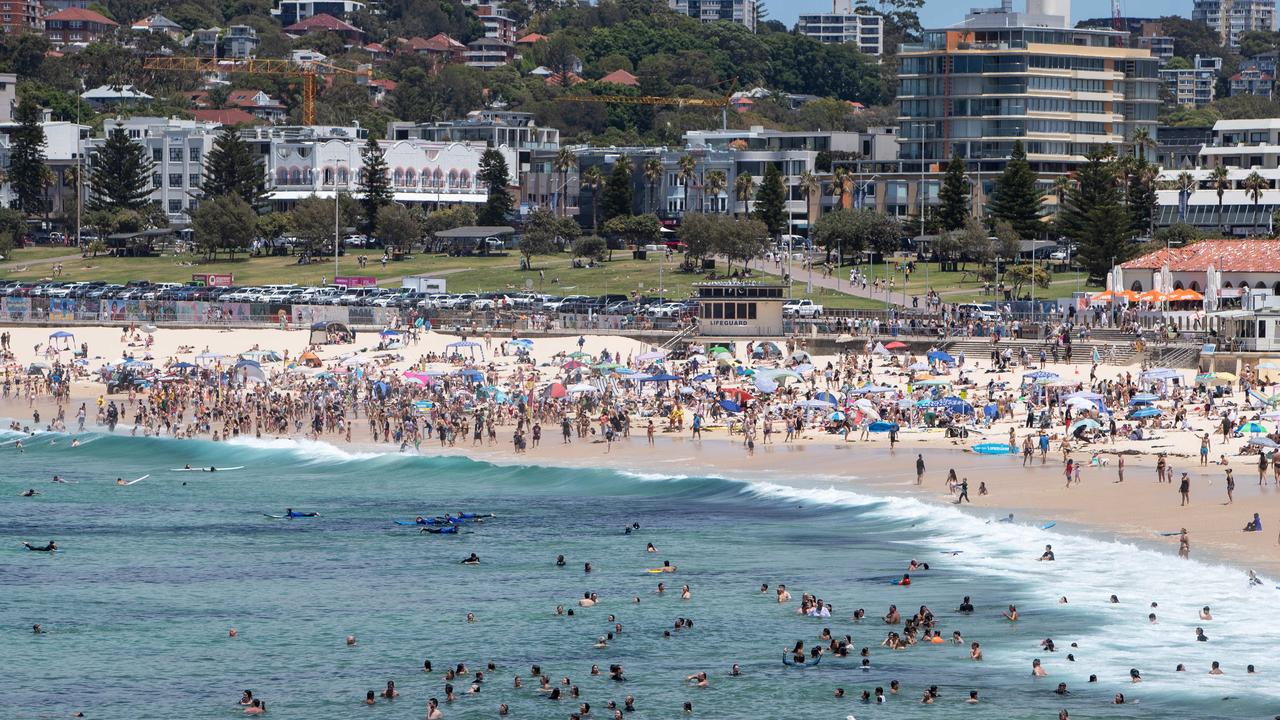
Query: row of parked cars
(405, 298)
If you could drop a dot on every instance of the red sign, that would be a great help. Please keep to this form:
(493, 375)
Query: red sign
(355, 281)
(214, 279)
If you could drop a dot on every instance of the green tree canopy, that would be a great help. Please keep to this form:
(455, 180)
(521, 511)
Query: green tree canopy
(618, 192)
(399, 226)
(771, 201)
(120, 174)
(375, 183)
(495, 176)
(28, 174)
(230, 168)
(953, 197)
(225, 222)
(1095, 218)
(1016, 198)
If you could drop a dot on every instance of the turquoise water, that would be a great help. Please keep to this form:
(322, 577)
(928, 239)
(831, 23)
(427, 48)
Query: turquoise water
(150, 577)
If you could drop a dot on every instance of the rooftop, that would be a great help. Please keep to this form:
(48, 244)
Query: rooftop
(231, 116)
(80, 15)
(621, 77)
(322, 22)
(1239, 256)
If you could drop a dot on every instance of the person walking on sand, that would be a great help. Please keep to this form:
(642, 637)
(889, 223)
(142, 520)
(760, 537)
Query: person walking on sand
(1262, 468)
(1204, 450)
(964, 492)
(1184, 489)
(919, 468)
(1119, 468)
(1231, 487)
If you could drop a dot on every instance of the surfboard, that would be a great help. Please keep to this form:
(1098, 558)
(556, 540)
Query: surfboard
(1048, 525)
(212, 468)
(131, 482)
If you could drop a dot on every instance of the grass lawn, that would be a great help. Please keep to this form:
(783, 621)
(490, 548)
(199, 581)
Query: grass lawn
(463, 274)
(966, 287)
(38, 252)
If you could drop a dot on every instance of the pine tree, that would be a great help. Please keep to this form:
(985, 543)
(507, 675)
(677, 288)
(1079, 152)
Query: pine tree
(28, 175)
(618, 193)
(771, 201)
(494, 174)
(1016, 199)
(230, 169)
(121, 174)
(1094, 217)
(953, 198)
(375, 183)
(1143, 203)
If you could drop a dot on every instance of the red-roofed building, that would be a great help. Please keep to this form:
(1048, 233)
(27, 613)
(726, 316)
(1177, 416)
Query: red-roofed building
(439, 47)
(77, 26)
(621, 77)
(228, 116)
(257, 103)
(563, 80)
(21, 16)
(378, 90)
(326, 23)
(1254, 262)
(377, 52)
(531, 39)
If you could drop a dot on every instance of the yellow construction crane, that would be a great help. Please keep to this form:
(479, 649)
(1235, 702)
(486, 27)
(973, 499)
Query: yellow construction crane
(722, 103)
(307, 70)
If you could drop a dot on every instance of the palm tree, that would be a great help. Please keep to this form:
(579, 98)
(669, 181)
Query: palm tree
(593, 180)
(627, 165)
(564, 161)
(839, 178)
(1142, 141)
(810, 185)
(1061, 185)
(653, 176)
(743, 186)
(1253, 186)
(687, 170)
(1220, 182)
(714, 183)
(1186, 185)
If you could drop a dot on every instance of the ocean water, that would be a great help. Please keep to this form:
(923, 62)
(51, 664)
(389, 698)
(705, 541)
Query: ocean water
(138, 601)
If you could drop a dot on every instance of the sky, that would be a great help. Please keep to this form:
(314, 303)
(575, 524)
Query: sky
(940, 13)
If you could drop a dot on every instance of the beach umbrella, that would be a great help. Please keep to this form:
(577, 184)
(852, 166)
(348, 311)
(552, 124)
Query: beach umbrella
(827, 397)
(940, 356)
(572, 365)
(651, 355)
(182, 366)
(717, 349)
(730, 406)
(766, 385)
(555, 390)
(864, 404)
(804, 368)
(1083, 425)
(582, 388)
(60, 334)
(1251, 427)
(844, 339)
(389, 333)
(895, 345)
(1159, 374)
(814, 404)
(991, 410)
(740, 394)
(800, 356)
(1140, 401)
(703, 377)
(837, 416)
(1152, 296)
(605, 366)
(1145, 412)
(355, 360)
(933, 383)
(579, 355)
(1263, 442)
(918, 365)
(1146, 397)
(1083, 403)
(523, 342)
(660, 378)
(1042, 374)
(474, 376)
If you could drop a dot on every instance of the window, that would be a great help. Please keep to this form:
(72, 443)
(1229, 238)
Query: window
(175, 154)
(155, 180)
(175, 179)
(193, 180)
(194, 154)
(157, 155)
(175, 207)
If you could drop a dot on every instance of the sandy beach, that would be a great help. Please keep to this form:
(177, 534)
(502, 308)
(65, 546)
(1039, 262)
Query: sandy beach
(1140, 509)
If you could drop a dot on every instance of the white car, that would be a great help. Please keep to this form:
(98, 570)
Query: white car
(802, 308)
(665, 310)
(979, 311)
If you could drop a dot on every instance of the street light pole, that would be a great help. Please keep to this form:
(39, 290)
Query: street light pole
(336, 239)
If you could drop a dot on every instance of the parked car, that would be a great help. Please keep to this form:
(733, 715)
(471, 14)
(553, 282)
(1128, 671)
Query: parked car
(802, 308)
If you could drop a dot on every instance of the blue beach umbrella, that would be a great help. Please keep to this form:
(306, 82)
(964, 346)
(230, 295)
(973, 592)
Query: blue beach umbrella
(940, 356)
(1251, 427)
(1145, 412)
(731, 406)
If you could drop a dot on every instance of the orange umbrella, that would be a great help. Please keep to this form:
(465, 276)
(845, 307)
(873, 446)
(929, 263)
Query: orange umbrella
(1185, 295)
(1104, 296)
(1152, 296)
(1129, 295)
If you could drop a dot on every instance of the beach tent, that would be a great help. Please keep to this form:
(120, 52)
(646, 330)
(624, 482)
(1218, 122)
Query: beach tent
(310, 359)
(660, 378)
(766, 349)
(554, 390)
(652, 355)
(582, 388)
(1146, 412)
(63, 336)
(469, 345)
(827, 397)
(475, 377)
(331, 333)
(209, 358)
(1159, 374)
(1080, 425)
(261, 356)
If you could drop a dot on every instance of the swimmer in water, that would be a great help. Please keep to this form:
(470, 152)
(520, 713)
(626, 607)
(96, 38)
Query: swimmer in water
(471, 559)
(29, 493)
(47, 548)
(559, 561)
(1011, 614)
(120, 481)
(651, 548)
